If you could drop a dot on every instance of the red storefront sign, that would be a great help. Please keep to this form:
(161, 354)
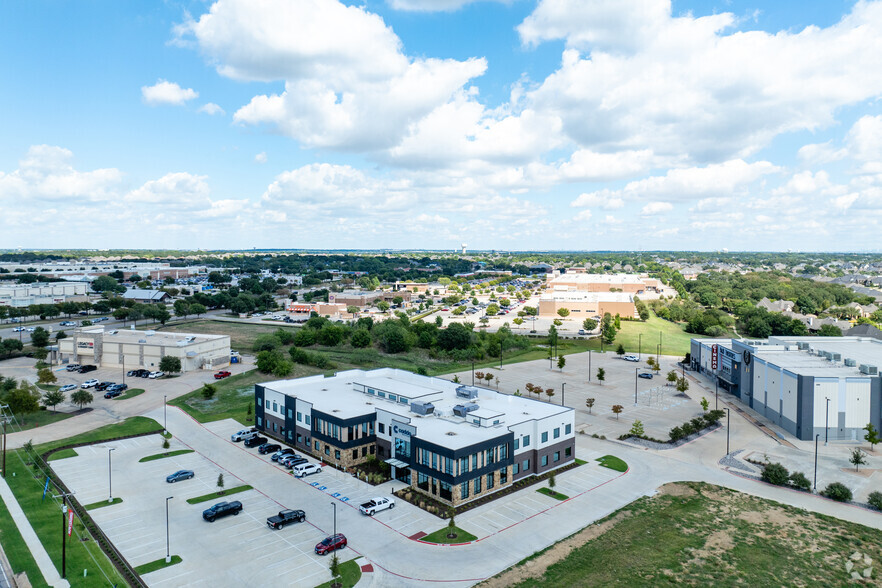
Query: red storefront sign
(714, 356)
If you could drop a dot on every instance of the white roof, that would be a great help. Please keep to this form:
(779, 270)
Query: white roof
(583, 296)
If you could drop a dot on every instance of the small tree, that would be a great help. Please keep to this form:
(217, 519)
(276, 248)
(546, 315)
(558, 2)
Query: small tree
(550, 393)
(875, 500)
(455, 379)
(170, 364)
(451, 524)
(800, 482)
(589, 402)
(165, 443)
(552, 483)
(45, 376)
(858, 458)
(637, 429)
(479, 376)
(335, 571)
(489, 377)
(208, 391)
(704, 404)
(617, 409)
(601, 375)
(682, 385)
(872, 436)
(248, 413)
(620, 350)
(561, 362)
(672, 377)
(775, 473)
(220, 483)
(650, 362)
(81, 398)
(53, 398)
(837, 491)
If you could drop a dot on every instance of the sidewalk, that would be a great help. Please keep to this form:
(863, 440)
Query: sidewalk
(47, 568)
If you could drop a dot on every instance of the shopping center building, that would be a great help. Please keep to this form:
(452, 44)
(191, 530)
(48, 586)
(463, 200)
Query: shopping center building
(455, 443)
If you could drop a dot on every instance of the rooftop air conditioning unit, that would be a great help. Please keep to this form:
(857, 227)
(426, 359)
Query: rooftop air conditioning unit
(849, 362)
(870, 370)
(462, 410)
(422, 408)
(837, 357)
(469, 392)
(828, 355)
(802, 345)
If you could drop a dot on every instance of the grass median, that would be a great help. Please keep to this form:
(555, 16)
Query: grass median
(130, 394)
(552, 493)
(218, 495)
(612, 462)
(440, 536)
(164, 455)
(102, 503)
(157, 565)
(350, 574)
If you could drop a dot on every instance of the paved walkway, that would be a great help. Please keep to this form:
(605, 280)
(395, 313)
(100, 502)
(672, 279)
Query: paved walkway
(47, 568)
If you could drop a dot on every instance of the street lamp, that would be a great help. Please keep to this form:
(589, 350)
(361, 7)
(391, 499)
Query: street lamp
(636, 371)
(827, 423)
(109, 475)
(589, 366)
(164, 414)
(817, 436)
(728, 414)
(563, 389)
(473, 372)
(334, 504)
(640, 346)
(167, 551)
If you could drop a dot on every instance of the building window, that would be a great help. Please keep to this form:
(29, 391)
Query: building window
(290, 413)
(568, 429)
(463, 465)
(544, 460)
(503, 476)
(336, 454)
(275, 406)
(474, 461)
(464, 490)
(355, 454)
(393, 398)
(316, 445)
(568, 451)
(402, 400)
(478, 485)
(364, 451)
(557, 456)
(422, 481)
(382, 429)
(267, 404)
(307, 419)
(526, 466)
(274, 427)
(445, 491)
(545, 437)
(371, 391)
(327, 450)
(489, 480)
(299, 417)
(299, 438)
(381, 394)
(557, 432)
(259, 421)
(526, 440)
(515, 469)
(517, 444)
(372, 449)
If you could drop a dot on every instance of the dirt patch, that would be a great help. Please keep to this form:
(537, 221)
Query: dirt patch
(537, 566)
(675, 489)
(865, 473)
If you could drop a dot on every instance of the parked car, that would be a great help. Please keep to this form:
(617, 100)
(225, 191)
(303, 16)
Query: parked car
(306, 469)
(645, 376)
(284, 517)
(282, 453)
(243, 434)
(72, 367)
(112, 393)
(268, 448)
(132, 373)
(67, 324)
(118, 388)
(84, 369)
(375, 505)
(102, 386)
(156, 375)
(255, 441)
(331, 543)
(18, 329)
(631, 358)
(179, 475)
(67, 388)
(294, 461)
(89, 384)
(222, 509)
(221, 375)
(142, 373)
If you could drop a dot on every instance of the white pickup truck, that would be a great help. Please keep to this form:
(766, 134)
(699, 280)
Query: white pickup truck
(373, 506)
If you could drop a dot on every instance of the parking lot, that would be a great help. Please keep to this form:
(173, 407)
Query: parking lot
(243, 546)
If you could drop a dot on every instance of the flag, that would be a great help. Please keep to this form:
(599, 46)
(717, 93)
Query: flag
(45, 488)
(69, 522)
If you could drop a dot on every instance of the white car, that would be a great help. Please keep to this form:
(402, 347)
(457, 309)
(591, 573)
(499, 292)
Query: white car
(243, 435)
(89, 384)
(31, 329)
(631, 358)
(375, 505)
(305, 469)
(154, 375)
(68, 388)
(18, 329)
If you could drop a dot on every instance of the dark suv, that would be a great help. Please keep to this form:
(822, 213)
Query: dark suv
(268, 448)
(84, 369)
(104, 386)
(255, 441)
(222, 509)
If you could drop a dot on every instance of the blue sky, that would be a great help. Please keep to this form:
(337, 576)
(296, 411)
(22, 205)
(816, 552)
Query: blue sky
(521, 124)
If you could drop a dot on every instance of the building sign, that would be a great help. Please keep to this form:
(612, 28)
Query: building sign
(85, 344)
(715, 352)
(402, 430)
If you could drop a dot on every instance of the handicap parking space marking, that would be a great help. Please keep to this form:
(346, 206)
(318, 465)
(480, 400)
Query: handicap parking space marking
(345, 499)
(335, 494)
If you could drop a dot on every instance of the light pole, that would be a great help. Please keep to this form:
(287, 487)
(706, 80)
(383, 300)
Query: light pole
(817, 436)
(109, 475)
(473, 372)
(636, 371)
(716, 392)
(164, 414)
(827, 423)
(167, 550)
(640, 346)
(64, 524)
(563, 389)
(124, 369)
(589, 366)
(728, 413)
(334, 504)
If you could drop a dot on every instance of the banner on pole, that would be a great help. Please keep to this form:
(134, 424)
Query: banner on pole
(45, 488)
(69, 522)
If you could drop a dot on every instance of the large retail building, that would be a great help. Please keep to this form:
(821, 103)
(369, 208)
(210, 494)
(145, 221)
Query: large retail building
(130, 349)
(22, 295)
(455, 443)
(827, 386)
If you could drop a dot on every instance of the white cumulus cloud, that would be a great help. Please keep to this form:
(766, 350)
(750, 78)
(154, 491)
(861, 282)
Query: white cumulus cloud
(211, 108)
(656, 208)
(165, 92)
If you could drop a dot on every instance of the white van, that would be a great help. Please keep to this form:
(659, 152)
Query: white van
(305, 469)
(243, 435)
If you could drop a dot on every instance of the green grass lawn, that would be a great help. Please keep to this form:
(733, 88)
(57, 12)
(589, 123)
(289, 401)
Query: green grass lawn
(48, 387)
(234, 395)
(350, 574)
(130, 426)
(612, 462)
(695, 534)
(102, 504)
(674, 339)
(552, 493)
(164, 455)
(16, 550)
(157, 565)
(63, 454)
(41, 418)
(218, 495)
(440, 536)
(130, 394)
(242, 335)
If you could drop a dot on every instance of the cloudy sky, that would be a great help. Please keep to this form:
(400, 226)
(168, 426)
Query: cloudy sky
(509, 124)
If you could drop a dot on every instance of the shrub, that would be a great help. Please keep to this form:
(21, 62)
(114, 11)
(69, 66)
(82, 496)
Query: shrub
(837, 491)
(208, 391)
(800, 482)
(676, 434)
(875, 500)
(266, 342)
(775, 473)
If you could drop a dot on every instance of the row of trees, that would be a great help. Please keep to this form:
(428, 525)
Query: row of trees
(24, 398)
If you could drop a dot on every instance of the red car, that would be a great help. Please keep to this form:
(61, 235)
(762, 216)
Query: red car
(222, 375)
(331, 543)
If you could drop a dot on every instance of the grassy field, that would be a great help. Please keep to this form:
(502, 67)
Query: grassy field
(16, 550)
(696, 534)
(164, 455)
(218, 495)
(440, 536)
(233, 397)
(350, 574)
(41, 418)
(130, 426)
(242, 335)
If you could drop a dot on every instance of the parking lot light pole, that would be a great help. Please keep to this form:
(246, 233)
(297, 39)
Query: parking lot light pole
(563, 390)
(817, 436)
(167, 550)
(164, 414)
(334, 504)
(728, 414)
(640, 346)
(473, 372)
(589, 366)
(827, 423)
(636, 371)
(109, 475)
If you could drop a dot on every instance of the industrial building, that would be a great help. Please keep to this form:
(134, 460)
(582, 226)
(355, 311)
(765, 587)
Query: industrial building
(455, 443)
(827, 386)
(577, 279)
(582, 304)
(22, 295)
(131, 349)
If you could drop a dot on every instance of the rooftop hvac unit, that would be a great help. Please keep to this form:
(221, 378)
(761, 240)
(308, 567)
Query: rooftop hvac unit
(462, 410)
(802, 345)
(828, 355)
(469, 392)
(422, 408)
(870, 370)
(189, 339)
(837, 357)
(149, 333)
(849, 362)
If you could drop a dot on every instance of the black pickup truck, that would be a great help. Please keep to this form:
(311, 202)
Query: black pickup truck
(222, 509)
(284, 517)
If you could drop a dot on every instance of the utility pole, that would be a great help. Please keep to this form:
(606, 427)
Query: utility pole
(636, 371)
(165, 414)
(473, 372)
(109, 475)
(5, 419)
(64, 526)
(817, 436)
(334, 504)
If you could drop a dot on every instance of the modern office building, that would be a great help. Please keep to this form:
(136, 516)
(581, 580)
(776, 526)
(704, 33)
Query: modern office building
(827, 386)
(21, 295)
(130, 349)
(455, 443)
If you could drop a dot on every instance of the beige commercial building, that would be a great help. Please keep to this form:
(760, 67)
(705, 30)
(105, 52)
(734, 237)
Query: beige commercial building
(362, 299)
(584, 305)
(20, 295)
(130, 349)
(578, 280)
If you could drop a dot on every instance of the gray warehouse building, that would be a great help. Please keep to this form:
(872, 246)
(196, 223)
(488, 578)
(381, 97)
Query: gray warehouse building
(806, 385)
